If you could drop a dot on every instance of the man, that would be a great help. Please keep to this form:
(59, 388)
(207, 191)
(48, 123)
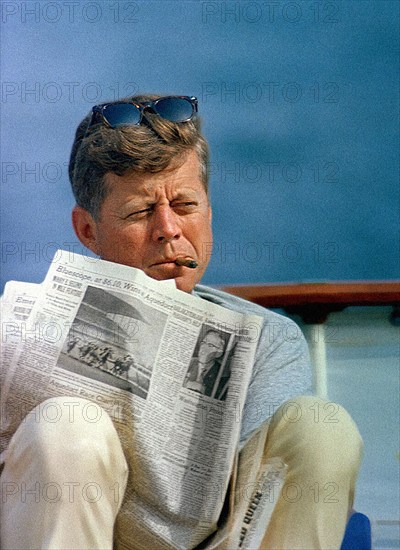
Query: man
(205, 365)
(139, 175)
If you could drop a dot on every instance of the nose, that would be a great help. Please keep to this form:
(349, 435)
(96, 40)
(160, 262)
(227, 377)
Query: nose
(166, 227)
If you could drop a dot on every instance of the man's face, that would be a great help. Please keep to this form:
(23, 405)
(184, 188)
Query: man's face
(211, 347)
(147, 221)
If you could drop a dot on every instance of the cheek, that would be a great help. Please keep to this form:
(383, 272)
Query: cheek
(201, 234)
(120, 245)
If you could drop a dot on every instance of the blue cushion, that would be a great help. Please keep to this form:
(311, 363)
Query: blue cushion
(358, 533)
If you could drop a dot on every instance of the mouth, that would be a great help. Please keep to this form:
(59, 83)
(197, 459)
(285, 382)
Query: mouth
(179, 261)
(167, 261)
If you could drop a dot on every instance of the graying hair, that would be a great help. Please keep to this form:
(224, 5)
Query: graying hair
(154, 145)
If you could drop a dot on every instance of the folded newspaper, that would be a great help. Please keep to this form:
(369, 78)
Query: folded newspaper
(131, 345)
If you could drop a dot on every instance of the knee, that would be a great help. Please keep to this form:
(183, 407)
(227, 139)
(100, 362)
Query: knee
(323, 432)
(67, 426)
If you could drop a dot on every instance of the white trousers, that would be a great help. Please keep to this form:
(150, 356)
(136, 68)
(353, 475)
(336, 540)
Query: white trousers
(322, 447)
(64, 480)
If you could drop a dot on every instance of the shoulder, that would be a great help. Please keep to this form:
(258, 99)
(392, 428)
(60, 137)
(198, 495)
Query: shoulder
(280, 336)
(239, 304)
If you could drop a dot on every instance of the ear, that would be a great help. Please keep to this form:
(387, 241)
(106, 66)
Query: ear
(85, 228)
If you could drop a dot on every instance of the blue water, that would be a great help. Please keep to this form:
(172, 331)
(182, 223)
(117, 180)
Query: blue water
(299, 102)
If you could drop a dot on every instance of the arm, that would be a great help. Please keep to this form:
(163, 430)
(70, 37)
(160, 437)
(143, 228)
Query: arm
(281, 371)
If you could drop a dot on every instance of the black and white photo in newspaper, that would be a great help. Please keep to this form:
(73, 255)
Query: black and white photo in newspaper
(126, 342)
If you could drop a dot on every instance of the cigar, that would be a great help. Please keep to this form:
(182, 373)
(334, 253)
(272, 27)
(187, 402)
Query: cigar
(187, 262)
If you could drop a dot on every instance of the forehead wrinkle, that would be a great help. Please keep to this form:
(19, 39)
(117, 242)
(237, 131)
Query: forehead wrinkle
(171, 189)
(151, 187)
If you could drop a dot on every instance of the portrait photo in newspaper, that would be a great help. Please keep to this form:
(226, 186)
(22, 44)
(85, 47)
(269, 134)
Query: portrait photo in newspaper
(209, 370)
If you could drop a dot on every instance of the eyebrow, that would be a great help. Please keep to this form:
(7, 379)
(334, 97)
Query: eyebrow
(146, 200)
(186, 193)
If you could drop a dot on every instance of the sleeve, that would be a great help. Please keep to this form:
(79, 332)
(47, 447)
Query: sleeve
(281, 371)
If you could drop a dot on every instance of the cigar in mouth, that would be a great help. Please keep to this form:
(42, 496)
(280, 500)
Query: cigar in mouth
(187, 262)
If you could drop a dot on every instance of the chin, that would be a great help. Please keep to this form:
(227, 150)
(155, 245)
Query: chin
(184, 281)
(184, 285)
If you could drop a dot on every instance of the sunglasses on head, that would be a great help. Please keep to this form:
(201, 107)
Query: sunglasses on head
(124, 113)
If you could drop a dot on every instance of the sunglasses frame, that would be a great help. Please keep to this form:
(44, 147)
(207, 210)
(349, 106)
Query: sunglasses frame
(98, 110)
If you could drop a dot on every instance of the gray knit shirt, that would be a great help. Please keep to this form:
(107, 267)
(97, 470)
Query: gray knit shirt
(281, 368)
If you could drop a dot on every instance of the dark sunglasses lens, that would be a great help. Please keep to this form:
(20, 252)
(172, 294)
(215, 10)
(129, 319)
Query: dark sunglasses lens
(174, 109)
(120, 114)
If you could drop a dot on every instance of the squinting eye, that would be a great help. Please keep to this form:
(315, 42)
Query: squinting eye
(139, 213)
(184, 205)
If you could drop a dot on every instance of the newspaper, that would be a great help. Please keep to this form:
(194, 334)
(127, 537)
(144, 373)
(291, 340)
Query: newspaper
(132, 346)
(16, 305)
